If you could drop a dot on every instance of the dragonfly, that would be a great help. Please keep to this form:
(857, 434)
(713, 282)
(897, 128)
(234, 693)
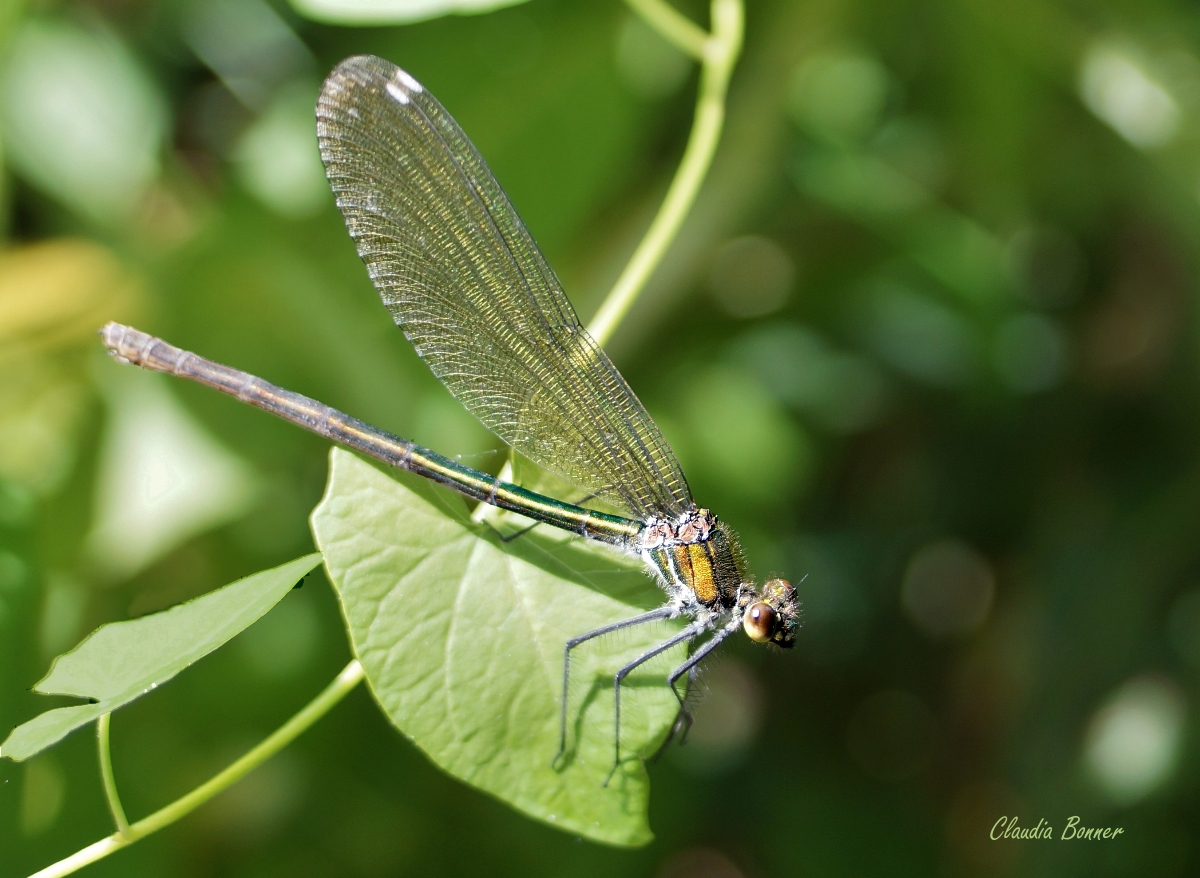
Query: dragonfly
(465, 282)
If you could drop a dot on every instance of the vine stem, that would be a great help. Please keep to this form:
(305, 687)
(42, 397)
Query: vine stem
(106, 775)
(672, 24)
(350, 677)
(717, 52)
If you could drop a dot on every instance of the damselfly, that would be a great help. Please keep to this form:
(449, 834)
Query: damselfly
(464, 280)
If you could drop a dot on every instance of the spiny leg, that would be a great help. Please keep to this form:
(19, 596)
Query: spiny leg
(689, 667)
(652, 616)
(683, 725)
(686, 634)
(683, 719)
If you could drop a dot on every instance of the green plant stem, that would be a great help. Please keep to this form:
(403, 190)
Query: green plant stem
(350, 677)
(686, 35)
(106, 775)
(718, 53)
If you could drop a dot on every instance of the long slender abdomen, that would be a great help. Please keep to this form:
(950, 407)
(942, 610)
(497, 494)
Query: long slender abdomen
(134, 346)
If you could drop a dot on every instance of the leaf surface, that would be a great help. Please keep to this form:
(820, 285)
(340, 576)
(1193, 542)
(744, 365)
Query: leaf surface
(461, 636)
(121, 661)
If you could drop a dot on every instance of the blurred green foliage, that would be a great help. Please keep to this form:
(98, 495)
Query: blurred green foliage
(927, 337)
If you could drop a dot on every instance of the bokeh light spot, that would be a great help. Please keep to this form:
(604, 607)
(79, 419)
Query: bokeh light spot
(921, 337)
(16, 504)
(248, 45)
(387, 12)
(838, 95)
(1133, 740)
(63, 605)
(81, 120)
(43, 792)
(741, 438)
(1120, 92)
(14, 573)
(751, 276)
(700, 862)
(1030, 353)
(916, 149)
(1045, 266)
(162, 478)
(947, 589)
(843, 392)
(260, 804)
(278, 159)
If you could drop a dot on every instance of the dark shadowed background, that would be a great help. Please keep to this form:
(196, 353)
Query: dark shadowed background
(927, 339)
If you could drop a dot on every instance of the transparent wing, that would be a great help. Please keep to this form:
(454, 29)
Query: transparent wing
(467, 284)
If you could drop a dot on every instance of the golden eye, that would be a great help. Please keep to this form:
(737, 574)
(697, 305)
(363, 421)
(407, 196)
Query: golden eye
(759, 622)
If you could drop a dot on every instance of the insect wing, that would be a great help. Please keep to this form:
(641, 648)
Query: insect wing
(465, 281)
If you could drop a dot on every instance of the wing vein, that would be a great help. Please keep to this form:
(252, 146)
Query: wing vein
(466, 283)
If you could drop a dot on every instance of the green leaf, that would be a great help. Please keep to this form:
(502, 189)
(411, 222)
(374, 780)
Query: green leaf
(122, 661)
(462, 637)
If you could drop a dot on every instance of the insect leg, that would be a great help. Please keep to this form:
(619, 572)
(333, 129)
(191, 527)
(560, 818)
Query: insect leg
(510, 537)
(652, 616)
(683, 720)
(690, 666)
(685, 635)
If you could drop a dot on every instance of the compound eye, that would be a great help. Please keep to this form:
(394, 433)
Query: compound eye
(779, 590)
(759, 622)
